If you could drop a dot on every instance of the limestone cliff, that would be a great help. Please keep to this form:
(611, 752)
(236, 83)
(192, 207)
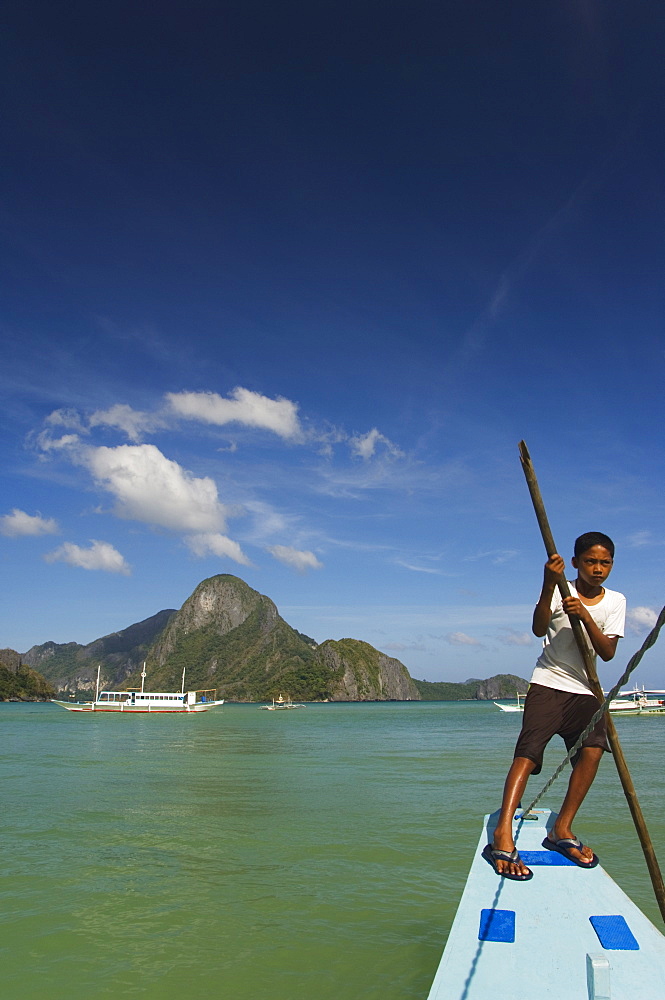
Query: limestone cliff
(501, 686)
(19, 682)
(362, 673)
(232, 638)
(228, 636)
(10, 659)
(219, 604)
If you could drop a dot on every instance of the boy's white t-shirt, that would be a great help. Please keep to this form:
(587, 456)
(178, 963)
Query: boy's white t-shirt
(560, 664)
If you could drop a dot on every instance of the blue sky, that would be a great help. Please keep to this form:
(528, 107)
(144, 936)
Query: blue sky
(284, 286)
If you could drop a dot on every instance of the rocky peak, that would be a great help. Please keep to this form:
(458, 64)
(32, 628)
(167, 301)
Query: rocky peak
(10, 659)
(220, 603)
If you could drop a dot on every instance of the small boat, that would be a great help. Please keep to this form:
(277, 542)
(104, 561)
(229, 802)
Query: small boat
(635, 702)
(134, 701)
(519, 707)
(281, 703)
(563, 934)
(638, 702)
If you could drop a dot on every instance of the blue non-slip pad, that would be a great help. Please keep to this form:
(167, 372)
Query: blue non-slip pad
(497, 925)
(551, 858)
(614, 933)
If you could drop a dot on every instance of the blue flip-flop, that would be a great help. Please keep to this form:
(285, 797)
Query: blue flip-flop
(492, 855)
(565, 845)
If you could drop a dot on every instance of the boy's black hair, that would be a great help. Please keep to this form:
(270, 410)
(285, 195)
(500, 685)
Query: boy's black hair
(591, 538)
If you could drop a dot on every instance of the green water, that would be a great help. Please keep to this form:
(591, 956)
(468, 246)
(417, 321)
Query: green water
(309, 855)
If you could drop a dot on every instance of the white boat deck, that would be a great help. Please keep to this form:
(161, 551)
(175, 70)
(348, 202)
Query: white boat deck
(535, 940)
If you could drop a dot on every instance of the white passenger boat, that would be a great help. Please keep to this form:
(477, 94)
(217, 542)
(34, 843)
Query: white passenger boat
(638, 702)
(281, 703)
(566, 934)
(518, 707)
(137, 701)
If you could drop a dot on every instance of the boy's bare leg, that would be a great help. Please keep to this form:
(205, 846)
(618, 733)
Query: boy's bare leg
(513, 790)
(580, 782)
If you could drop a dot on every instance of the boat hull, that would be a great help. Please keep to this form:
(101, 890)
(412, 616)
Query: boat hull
(280, 708)
(555, 951)
(123, 709)
(281, 704)
(628, 707)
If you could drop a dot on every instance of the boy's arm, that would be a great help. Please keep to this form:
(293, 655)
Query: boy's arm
(605, 645)
(542, 612)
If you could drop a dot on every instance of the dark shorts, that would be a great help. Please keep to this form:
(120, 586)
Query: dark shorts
(548, 712)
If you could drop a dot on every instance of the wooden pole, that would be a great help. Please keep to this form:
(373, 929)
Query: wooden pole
(589, 663)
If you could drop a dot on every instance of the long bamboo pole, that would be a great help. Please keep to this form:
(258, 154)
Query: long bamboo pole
(589, 663)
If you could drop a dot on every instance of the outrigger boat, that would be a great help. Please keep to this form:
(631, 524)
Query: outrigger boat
(635, 702)
(519, 707)
(638, 702)
(564, 935)
(134, 701)
(281, 703)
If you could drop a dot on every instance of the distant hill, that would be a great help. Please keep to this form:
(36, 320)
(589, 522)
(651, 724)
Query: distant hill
(445, 691)
(69, 666)
(499, 686)
(19, 682)
(227, 636)
(232, 638)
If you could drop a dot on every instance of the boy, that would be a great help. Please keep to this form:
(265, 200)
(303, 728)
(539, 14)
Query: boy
(560, 699)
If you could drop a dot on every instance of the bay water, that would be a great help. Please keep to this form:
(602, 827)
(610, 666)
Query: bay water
(316, 854)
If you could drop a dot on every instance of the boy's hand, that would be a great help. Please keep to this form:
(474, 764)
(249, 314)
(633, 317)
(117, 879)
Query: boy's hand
(554, 568)
(542, 612)
(573, 606)
(604, 645)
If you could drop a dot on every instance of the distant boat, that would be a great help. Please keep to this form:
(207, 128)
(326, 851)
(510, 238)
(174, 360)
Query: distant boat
(638, 702)
(136, 702)
(518, 707)
(281, 703)
(635, 702)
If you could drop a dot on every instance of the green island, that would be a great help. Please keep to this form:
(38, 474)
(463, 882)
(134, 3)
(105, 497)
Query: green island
(23, 684)
(499, 686)
(229, 637)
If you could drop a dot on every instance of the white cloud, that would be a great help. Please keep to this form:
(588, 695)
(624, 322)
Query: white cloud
(413, 478)
(639, 539)
(133, 422)
(403, 647)
(497, 556)
(100, 555)
(217, 545)
(48, 443)
(325, 438)
(244, 407)
(155, 490)
(266, 520)
(461, 639)
(512, 638)
(364, 445)
(18, 524)
(417, 569)
(67, 418)
(640, 619)
(296, 558)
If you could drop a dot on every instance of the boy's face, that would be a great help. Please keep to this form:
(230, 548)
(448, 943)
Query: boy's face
(594, 566)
